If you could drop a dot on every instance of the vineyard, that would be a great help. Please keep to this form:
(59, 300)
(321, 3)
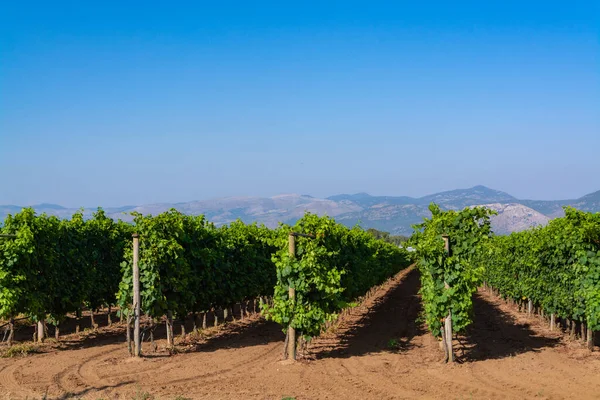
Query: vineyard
(447, 246)
(187, 267)
(53, 267)
(349, 301)
(554, 270)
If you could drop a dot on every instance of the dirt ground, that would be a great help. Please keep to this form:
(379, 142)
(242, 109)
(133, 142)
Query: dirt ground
(378, 351)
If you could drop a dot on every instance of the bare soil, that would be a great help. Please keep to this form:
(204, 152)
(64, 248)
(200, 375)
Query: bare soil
(379, 350)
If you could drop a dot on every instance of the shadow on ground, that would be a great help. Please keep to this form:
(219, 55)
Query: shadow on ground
(496, 334)
(233, 334)
(389, 325)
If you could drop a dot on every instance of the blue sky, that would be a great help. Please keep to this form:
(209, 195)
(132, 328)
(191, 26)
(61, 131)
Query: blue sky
(113, 103)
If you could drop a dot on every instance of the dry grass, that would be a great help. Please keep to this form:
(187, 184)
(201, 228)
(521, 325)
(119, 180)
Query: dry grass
(20, 350)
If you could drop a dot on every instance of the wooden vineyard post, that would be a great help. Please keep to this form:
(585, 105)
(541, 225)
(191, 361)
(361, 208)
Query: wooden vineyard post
(78, 320)
(530, 307)
(448, 320)
(128, 322)
(11, 333)
(291, 342)
(40, 331)
(169, 323)
(136, 296)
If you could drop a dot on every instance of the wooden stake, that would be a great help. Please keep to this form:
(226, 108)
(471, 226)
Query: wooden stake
(92, 320)
(169, 322)
(590, 339)
(129, 346)
(78, 320)
(448, 320)
(204, 320)
(137, 345)
(444, 344)
(109, 316)
(285, 346)
(152, 344)
(291, 343)
(11, 334)
(552, 321)
(40, 331)
(56, 332)
(448, 328)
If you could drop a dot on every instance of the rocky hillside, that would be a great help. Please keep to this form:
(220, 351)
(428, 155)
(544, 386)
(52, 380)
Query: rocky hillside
(515, 217)
(394, 214)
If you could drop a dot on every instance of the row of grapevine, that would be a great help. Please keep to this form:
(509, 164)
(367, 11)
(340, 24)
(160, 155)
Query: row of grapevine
(331, 267)
(450, 274)
(187, 265)
(557, 267)
(53, 267)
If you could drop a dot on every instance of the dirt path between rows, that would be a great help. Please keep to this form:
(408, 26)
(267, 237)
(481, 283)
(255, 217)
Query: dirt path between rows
(378, 351)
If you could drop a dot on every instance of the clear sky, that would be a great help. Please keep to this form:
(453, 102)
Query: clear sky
(116, 102)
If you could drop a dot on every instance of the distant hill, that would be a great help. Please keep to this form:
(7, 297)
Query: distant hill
(394, 214)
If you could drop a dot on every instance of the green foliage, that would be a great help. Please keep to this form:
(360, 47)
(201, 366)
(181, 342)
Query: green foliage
(187, 264)
(557, 266)
(328, 271)
(55, 266)
(448, 281)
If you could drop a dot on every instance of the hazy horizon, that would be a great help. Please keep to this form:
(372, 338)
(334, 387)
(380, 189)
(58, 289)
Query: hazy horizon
(141, 103)
(88, 206)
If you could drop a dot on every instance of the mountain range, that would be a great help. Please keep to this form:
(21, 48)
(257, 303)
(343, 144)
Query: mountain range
(394, 214)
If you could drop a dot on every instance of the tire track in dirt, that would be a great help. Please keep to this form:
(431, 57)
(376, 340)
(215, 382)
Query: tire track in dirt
(490, 380)
(86, 371)
(218, 380)
(223, 374)
(70, 379)
(10, 383)
(503, 356)
(153, 375)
